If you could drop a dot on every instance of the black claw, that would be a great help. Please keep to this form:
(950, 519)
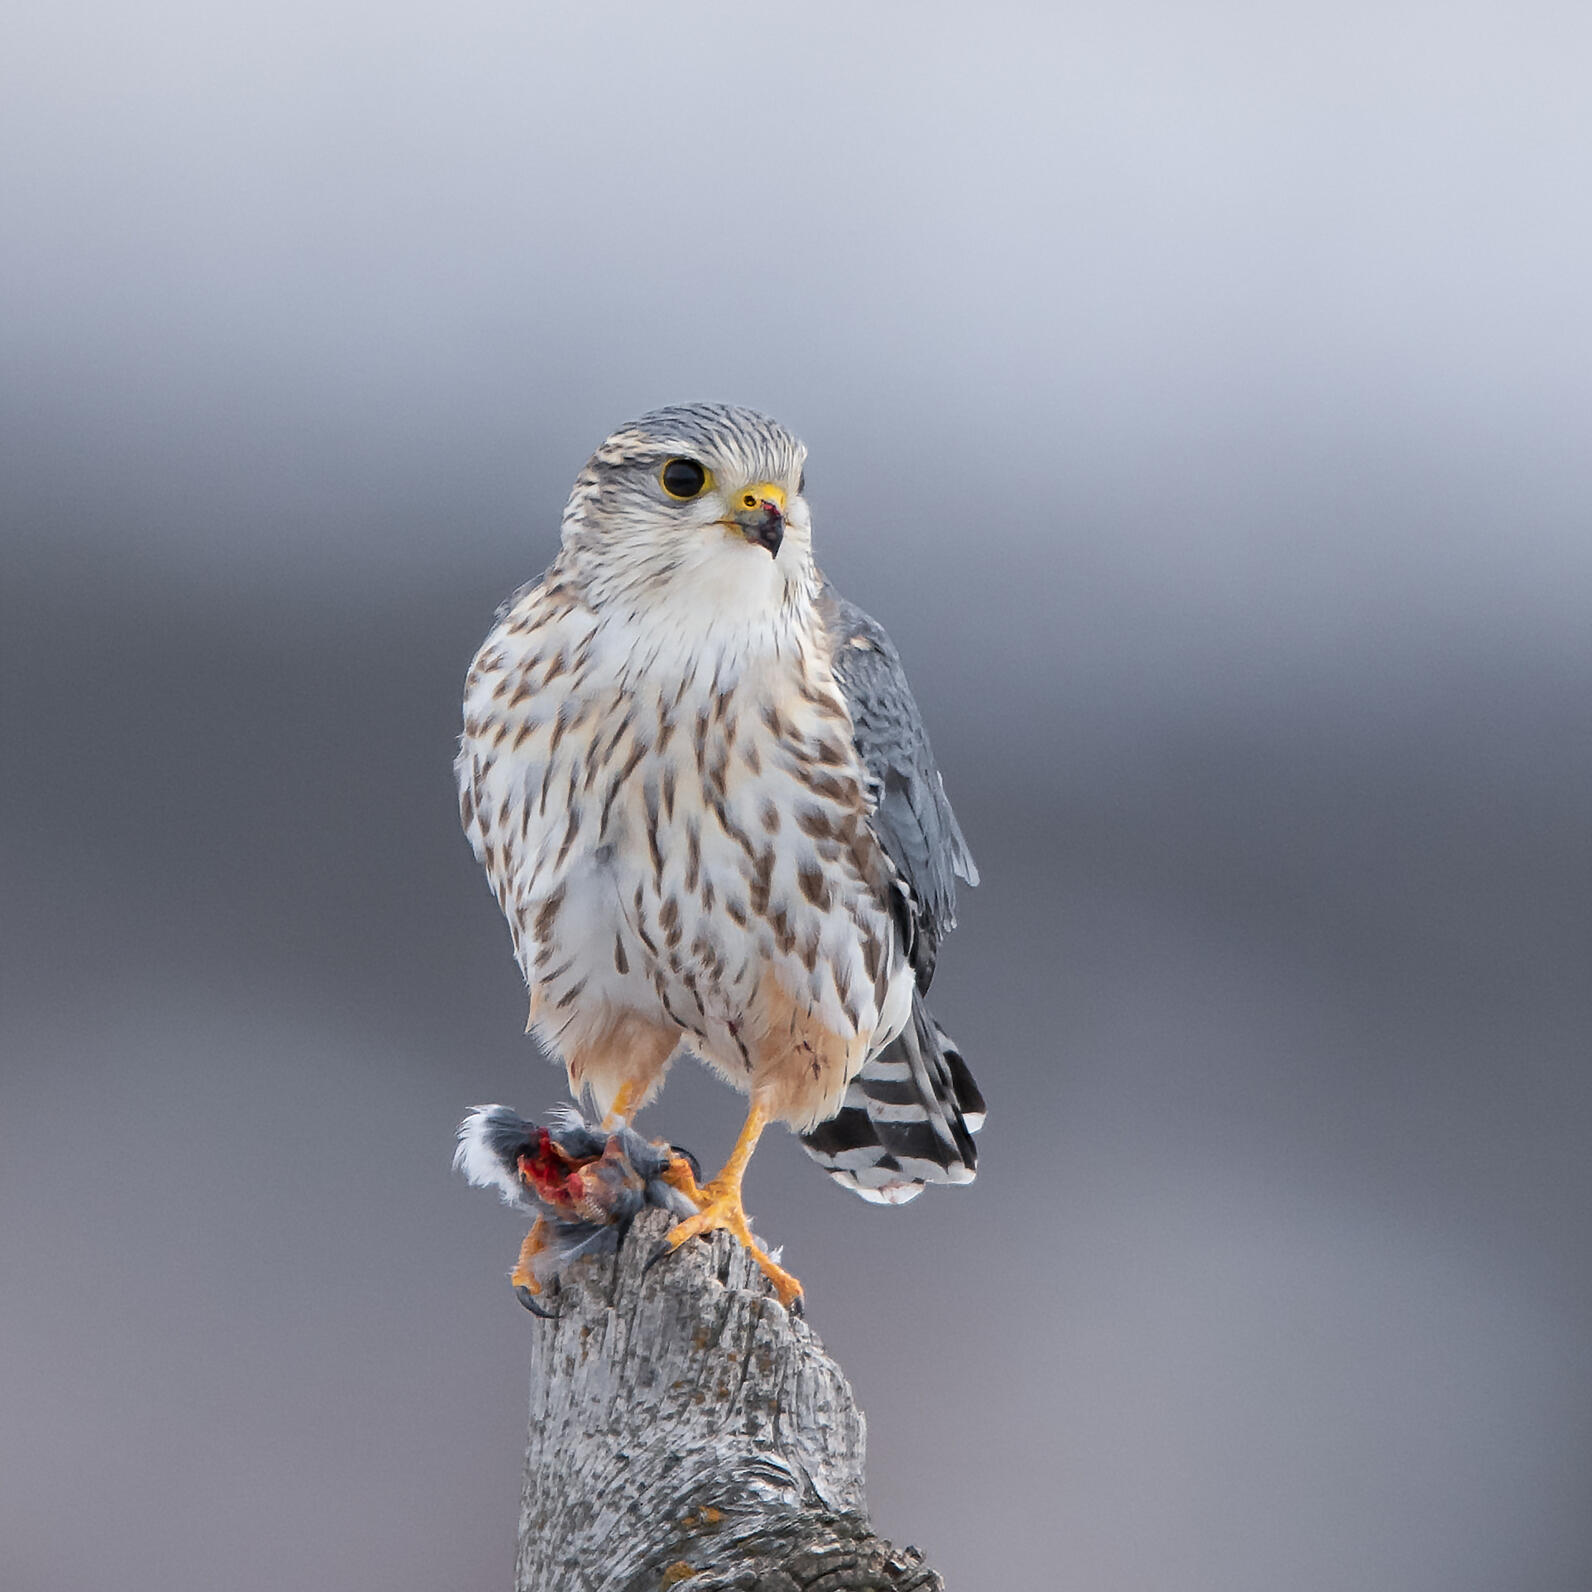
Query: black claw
(531, 1303)
(798, 1307)
(664, 1249)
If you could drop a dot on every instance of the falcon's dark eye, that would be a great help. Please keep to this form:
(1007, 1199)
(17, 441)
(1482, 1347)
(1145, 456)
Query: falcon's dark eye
(683, 479)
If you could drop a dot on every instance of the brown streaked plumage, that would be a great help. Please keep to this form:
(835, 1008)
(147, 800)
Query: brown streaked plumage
(660, 774)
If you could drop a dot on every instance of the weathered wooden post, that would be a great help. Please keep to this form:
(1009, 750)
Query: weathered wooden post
(687, 1431)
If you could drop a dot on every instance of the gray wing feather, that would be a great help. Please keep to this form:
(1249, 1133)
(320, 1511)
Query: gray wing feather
(910, 1113)
(913, 818)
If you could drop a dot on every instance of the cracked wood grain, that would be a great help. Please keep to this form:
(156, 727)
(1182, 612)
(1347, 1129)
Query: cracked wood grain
(687, 1432)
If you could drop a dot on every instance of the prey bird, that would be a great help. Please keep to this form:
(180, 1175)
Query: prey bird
(583, 1184)
(706, 802)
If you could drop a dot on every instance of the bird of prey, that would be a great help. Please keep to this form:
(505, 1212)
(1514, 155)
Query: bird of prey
(706, 802)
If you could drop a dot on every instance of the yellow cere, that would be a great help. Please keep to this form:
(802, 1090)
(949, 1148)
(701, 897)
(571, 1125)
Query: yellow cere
(763, 492)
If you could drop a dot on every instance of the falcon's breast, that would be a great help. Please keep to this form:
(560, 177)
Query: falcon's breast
(690, 845)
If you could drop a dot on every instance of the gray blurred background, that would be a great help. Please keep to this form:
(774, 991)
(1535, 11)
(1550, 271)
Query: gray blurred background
(1202, 397)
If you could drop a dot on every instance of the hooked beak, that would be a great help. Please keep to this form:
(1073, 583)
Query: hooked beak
(759, 515)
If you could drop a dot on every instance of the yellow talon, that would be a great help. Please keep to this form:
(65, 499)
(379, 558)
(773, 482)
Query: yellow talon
(678, 1175)
(522, 1276)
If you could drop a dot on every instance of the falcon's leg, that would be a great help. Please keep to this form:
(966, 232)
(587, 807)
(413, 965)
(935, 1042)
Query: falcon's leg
(629, 1090)
(621, 1058)
(722, 1207)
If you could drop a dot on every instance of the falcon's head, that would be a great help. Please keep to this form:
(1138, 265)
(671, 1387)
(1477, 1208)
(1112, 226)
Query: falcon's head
(700, 504)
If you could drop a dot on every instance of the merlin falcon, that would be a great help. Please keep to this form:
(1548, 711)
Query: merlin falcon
(706, 802)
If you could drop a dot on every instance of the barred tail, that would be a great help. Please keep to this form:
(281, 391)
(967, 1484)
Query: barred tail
(908, 1118)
